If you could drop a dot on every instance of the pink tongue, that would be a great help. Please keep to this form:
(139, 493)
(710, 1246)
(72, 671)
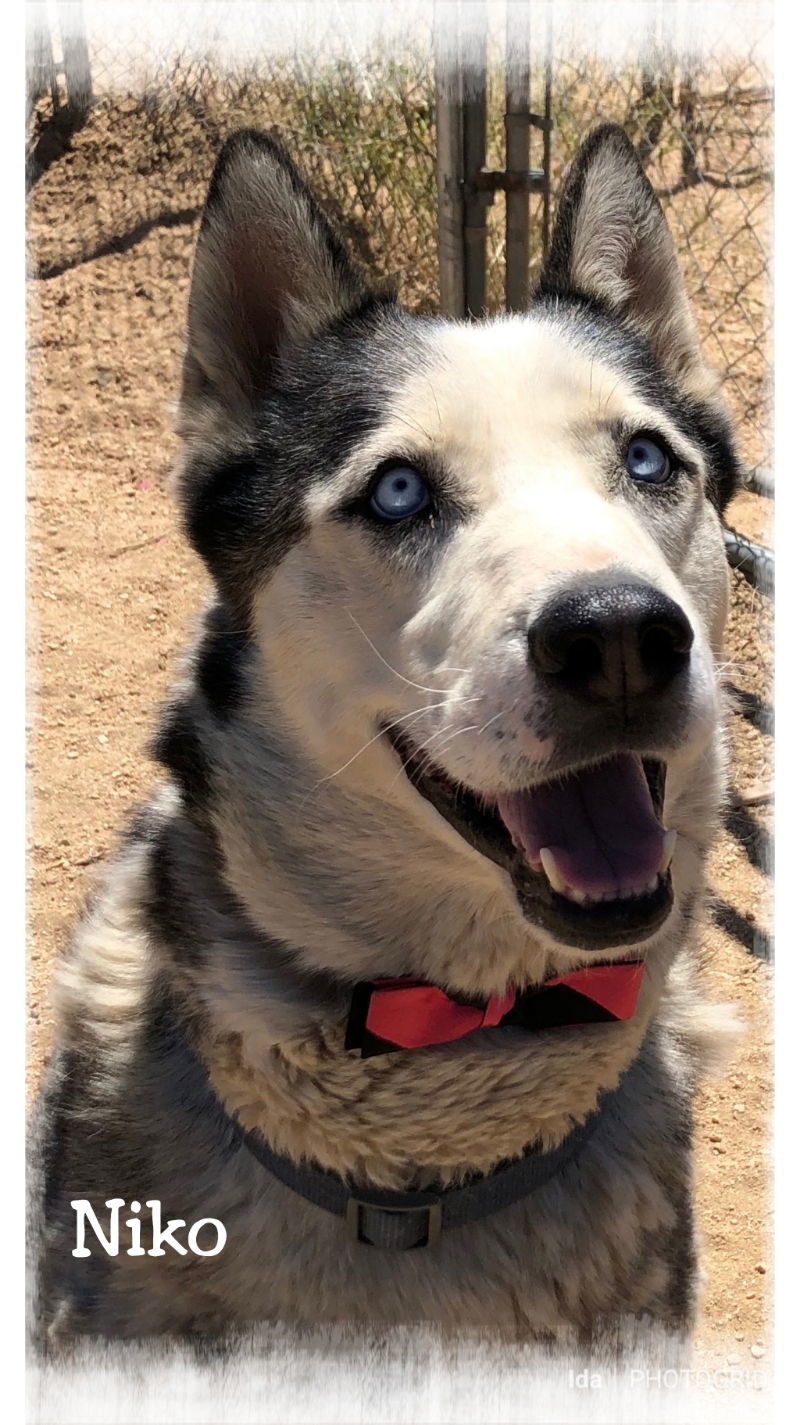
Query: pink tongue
(599, 824)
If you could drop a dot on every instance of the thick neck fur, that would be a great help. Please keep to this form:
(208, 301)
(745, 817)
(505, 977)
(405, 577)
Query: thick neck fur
(337, 886)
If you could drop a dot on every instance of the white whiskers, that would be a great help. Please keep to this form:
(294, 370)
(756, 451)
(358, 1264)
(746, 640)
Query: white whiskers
(404, 717)
(446, 733)
(421, 686)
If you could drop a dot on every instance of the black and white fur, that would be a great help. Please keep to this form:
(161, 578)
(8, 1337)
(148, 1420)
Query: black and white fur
(287, 855)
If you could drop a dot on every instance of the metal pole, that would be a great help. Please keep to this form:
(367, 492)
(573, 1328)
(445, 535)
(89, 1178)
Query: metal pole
(75, 48)
(547, 128)
(760, 481)
(756, 563)
(41, 68)
(518, 148)
(449, 162)
(476, 200)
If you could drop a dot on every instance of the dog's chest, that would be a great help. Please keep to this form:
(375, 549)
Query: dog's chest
(596, 1242)
(611, 1234)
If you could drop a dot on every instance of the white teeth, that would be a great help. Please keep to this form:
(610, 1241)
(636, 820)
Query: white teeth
(552, 873)
(571, 893)
(668, 851)
(580, 897)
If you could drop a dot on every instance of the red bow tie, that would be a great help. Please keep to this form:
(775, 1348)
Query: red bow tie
(409, 1014)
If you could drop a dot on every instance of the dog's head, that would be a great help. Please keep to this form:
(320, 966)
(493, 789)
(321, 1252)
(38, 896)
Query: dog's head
(482, 563)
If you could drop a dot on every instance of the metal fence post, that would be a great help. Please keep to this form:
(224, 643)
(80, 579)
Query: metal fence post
(449, 165)
(41, 72)
(476, 200)
(518, 147)
(547, 130)
(77, 69)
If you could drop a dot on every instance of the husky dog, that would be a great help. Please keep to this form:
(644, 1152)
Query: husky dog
(448, 750)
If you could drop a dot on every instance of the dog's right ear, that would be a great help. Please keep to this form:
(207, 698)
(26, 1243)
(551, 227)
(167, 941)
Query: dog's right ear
(268, 272)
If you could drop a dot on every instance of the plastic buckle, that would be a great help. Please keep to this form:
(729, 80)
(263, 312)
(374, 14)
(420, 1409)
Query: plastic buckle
(433, 1224)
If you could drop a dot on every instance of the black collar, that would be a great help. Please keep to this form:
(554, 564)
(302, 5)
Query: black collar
(403, 1220)
(377, 1217)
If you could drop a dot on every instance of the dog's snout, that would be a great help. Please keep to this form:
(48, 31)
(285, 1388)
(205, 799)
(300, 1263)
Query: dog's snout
(611, 641)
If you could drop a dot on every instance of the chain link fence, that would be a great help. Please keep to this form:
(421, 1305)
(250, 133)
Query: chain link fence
(133, 148)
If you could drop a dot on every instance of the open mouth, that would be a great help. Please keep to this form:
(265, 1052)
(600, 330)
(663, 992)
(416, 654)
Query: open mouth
(587, 853)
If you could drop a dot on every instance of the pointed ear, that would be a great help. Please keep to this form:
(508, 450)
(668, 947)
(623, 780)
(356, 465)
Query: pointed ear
(611, 243)
(268, 272)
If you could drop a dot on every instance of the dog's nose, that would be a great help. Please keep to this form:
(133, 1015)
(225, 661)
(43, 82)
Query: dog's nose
(613, 641)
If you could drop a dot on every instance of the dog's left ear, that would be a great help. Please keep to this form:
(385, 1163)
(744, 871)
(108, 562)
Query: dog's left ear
(611, 243)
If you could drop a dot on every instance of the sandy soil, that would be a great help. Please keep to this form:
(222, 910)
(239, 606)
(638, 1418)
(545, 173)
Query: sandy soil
(112, 592)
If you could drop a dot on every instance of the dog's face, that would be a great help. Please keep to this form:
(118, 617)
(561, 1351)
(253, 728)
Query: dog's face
(482, 563)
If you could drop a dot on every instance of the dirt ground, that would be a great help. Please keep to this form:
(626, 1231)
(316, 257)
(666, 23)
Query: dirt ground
(112, 591)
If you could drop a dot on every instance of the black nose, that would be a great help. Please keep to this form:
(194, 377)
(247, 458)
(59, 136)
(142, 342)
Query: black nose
(612, 641)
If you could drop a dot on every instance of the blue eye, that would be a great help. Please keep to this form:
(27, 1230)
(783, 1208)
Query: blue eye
(399, 493)
(646, 460)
